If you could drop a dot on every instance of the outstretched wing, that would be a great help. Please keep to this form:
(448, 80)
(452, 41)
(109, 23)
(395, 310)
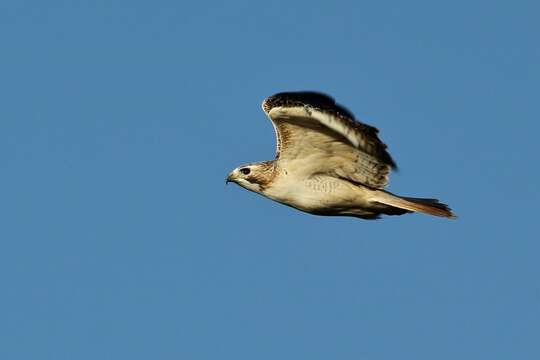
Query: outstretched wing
(311, 126)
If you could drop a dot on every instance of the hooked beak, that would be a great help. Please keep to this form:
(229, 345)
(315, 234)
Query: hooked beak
(230, 178)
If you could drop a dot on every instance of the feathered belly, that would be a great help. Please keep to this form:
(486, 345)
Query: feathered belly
(318, 194)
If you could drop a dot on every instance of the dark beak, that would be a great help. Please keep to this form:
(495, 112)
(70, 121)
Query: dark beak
(229, 179)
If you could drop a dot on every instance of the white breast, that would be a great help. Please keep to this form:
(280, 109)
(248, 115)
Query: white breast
(315, 193)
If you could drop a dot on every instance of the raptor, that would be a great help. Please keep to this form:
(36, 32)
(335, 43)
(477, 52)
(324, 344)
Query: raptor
(327, 163)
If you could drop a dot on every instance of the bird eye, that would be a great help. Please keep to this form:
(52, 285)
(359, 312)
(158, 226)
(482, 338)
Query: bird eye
(245, 171)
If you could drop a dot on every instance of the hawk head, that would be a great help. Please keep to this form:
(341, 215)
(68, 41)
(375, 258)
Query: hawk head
(255, 177)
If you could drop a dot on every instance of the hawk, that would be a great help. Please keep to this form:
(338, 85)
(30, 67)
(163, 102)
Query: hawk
(327, 162)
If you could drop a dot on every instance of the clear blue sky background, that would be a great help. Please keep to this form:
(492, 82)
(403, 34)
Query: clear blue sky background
(119, 121)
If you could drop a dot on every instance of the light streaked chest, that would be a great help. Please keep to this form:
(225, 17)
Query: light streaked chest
(310, 193)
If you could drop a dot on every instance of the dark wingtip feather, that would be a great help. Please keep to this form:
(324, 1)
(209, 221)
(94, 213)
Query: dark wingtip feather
(313, 98)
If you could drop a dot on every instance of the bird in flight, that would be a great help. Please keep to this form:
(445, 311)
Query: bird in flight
(327, 163)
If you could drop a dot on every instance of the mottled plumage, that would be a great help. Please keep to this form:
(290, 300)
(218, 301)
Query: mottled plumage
(327, 163)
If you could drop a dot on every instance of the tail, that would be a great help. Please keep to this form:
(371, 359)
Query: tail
(409, 204)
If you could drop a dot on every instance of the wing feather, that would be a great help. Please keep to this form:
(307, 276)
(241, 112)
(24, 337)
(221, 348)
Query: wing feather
(312, 126)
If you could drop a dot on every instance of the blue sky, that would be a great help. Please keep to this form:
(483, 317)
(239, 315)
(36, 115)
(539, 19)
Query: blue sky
(121, 119)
